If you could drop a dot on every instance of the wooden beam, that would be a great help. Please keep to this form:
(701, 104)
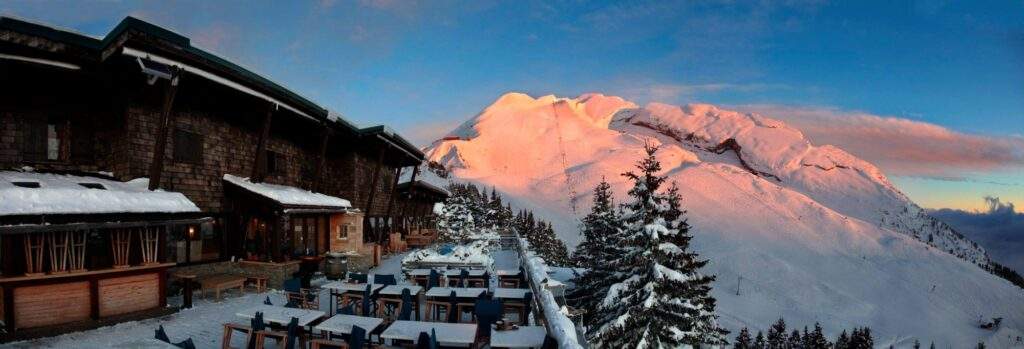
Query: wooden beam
(412, 187)
(156, 167)
(321, 160)
(373, 182)
(391, 202)
(259, 163)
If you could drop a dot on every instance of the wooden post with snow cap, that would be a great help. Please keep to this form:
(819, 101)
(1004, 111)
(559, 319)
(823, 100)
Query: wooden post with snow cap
(259, 171)
(156, 167)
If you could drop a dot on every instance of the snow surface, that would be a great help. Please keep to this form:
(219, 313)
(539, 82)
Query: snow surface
(810, 233)
(288, 195)
(62, 194)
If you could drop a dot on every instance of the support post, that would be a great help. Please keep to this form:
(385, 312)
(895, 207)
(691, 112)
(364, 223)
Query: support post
(373, 191)
(156, 167)
(321, 160)
(391, 202)
(259, 164)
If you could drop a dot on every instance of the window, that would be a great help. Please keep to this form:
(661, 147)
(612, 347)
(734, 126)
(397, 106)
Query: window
(46, 140)
(188, 147)
(343, 231)
(92, 185)
(275, 163)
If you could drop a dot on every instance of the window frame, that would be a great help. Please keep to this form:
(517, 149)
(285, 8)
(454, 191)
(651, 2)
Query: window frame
(191, 150)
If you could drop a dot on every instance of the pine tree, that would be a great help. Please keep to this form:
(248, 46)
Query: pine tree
(843, 342)
(917, 344)
(795, 340)
(549, 246)
(777, 334)
(817, 339)
(598, 230)
(665, 301)
(456, 223)
(932, 346)
(743, 340)
(981, 345)
(759, 342)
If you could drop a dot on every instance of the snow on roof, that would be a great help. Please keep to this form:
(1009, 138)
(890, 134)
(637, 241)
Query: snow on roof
(26, 192)
(427, 178)
(287, 195)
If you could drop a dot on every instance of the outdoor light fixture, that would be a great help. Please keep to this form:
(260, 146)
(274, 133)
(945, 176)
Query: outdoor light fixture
(191, 232)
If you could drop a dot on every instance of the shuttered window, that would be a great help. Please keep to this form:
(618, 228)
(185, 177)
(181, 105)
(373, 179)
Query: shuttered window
(188, 147)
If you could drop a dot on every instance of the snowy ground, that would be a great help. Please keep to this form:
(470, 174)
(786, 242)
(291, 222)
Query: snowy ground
(203, 322)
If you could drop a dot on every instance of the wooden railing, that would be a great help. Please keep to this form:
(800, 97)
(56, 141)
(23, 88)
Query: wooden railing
(558, 325)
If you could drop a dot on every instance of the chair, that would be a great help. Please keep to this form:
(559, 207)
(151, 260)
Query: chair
(288, 337)
(423, 341)
(230, 329)
(257, 322)
(434, 280)
(161, 335)
(406, 310)
(384, 279)
(347, 310)
(357, 278)
(357, 339)
(267, 301)
(487, 312)
(453, 307)
(367, 304)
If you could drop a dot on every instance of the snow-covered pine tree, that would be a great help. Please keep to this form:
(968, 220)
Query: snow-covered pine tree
(600, 245)
(549, 246)
(795, 340)
(456, 223)
(843, 341)
(777, 337)
(817, 339)
(759, 342)
(665, 301)
(743, 340)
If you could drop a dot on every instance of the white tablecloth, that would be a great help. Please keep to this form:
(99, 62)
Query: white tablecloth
(396, 290)
(447, 334)
(524, 337)
(472, 272)
(510, 293)
(282, 315)
(461, 292)
(342, 324)
(350, 287)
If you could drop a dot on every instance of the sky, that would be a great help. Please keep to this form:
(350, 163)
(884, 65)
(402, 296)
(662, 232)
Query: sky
(930, 91)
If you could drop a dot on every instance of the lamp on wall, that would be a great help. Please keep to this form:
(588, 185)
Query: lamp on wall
(191, 232)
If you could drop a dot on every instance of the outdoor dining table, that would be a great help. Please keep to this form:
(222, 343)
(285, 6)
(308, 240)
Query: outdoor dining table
(456, 335)
(523, 337)
(282, 316)
(508, 277)
(460, 292)
(342, 324)
(394, 293)
(337, 288)
(477, 275)
(420, 276)
(510, 293)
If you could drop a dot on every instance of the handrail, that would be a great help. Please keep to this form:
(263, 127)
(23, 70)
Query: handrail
(558, 324)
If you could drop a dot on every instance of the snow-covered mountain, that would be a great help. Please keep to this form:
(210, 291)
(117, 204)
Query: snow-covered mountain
(808, 232)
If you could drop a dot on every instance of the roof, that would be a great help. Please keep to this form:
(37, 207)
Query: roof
(395, 139)
(424, 186)
(32, 193)
(288, 196)
(101, 48)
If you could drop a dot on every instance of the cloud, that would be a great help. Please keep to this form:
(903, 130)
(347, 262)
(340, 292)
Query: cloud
(999, 229)
(900, 146)
(668, 93)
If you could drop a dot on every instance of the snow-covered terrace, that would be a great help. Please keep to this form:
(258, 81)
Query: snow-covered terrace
(203, 322)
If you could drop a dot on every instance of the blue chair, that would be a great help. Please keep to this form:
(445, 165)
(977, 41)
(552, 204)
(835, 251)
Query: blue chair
(406, 312)
(347, 310)
(293, 334)
(367, 302)
(358, 338)
(267, 301)
(453, 305)
(357, 278)
(433, 339)
(161, 335)
(186, 344)
(257, 323)
(434, 280)
(487, 280)
(423, 342)
(384, 279)
(463, 278)
(487, 312)
(292, 285)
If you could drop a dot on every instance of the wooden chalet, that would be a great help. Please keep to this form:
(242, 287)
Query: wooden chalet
(143, 103)
(418, 221)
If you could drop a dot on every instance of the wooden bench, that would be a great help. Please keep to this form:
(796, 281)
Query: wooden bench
(220, 282)
(259, 282)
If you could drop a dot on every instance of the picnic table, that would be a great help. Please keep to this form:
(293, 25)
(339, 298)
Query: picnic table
(460, 292)
(220, 282)
(393, 294)
(523, 337)
(337, 288)
(510, 293)
(281, 315)
(342, 324)
(456, 335)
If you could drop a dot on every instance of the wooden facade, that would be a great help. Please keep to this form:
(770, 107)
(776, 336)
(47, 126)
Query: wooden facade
(143, 102)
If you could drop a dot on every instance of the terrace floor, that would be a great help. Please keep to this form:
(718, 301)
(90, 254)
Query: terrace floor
(203, 321)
